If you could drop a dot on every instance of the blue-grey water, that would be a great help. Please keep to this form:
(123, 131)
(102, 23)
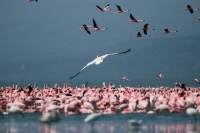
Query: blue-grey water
(158, 123)
(43, 37)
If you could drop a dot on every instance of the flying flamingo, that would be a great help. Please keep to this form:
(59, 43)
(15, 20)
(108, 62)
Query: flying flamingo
(166, 31)
(120, 10)
(96, 27)
(196, 20)
(134, 19)
(197, 80)
(177, 84)
(85, 27)
(103, 9)
(189, 8)
(31, 1)
(98, 61)
(160, 76)
(145, 28)
(125, 79)
(138, 35)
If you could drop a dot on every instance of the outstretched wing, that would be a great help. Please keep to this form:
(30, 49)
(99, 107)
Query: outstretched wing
(131, 16)
(139, 34)
(86, 28)
(99, 7)
(119, 8)
(146, 25)
(106, 7)
(145, 32)
(90, 63)
(95, 24)
(104, 56)
(188, 6)
(166, 30)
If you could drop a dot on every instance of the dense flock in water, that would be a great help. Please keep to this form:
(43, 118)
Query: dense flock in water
(52, 102)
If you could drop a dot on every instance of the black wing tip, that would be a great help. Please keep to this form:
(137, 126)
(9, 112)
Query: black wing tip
(127, 50)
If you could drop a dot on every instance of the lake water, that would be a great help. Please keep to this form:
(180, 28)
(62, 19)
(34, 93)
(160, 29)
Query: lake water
(155, 123)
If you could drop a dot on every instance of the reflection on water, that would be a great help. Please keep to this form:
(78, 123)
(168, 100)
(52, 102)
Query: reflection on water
(107, 124)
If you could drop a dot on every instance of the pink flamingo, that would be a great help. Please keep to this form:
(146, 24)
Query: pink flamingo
(85, 27)
(134, 19)
(145, 28)
(96, 27)
(166, 31)
(31, 1)
(120, 10)
(103, 9)
(189, 8)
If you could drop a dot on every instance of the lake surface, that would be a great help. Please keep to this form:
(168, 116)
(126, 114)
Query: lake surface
(155, 123)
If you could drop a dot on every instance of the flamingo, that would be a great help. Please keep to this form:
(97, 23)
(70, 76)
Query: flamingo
(162, 107)
(196, 20)
(145, 28)
(166, 31)
(125, 79)
(31, 1)
(177, 84)
(197, 80)
(85, 27)
(49, 117)
(96, 27)
(103, 9)
(192, 112)
(138, 35)
(134, 19)
(160, 76)
(120, 10)
(92, 118)
(189, 8)
(15, 110)
(99, 60)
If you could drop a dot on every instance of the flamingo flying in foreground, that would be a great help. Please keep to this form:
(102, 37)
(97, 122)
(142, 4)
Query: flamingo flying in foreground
(134, 19)
(99, 60)
(96, 27)
(85, 27)
(120, 10)
(103, 9)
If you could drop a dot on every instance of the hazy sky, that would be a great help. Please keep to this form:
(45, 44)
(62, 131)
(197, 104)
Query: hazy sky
(44, 37)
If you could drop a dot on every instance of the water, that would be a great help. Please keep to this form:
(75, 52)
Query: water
(155, 123)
